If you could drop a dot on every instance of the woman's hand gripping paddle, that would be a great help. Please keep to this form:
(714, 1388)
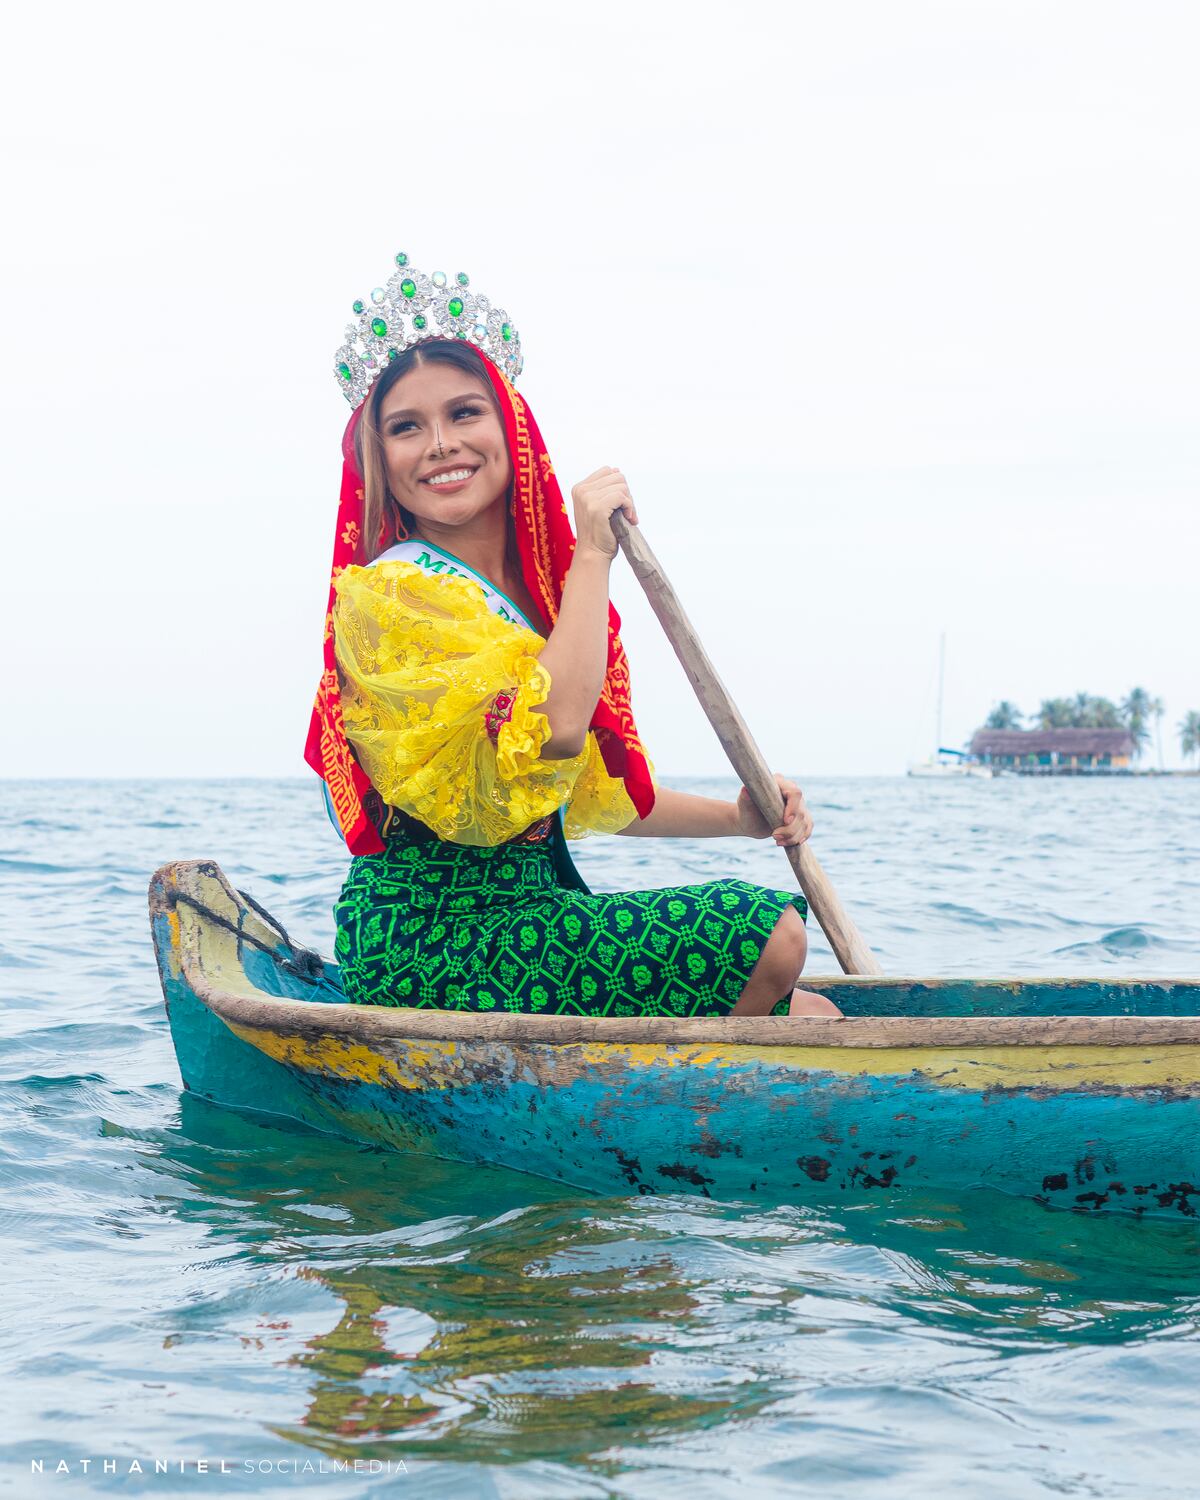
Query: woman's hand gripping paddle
(745, 756)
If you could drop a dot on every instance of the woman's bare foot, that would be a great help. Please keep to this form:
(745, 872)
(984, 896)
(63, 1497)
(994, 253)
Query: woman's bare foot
(808, 1003)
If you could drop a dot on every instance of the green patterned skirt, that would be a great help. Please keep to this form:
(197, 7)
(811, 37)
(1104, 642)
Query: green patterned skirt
(428, 923)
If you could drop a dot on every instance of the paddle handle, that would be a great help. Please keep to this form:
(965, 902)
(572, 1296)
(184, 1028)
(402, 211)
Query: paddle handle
(746, 758)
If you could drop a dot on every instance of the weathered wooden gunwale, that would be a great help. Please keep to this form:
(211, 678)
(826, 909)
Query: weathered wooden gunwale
(228, 995)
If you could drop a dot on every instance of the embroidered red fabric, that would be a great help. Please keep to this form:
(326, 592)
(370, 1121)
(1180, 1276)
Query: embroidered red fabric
(499, 713)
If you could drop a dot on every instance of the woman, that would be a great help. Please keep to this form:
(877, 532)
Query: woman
(474, 711)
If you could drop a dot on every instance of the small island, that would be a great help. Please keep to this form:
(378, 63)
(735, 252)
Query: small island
(1080, 736)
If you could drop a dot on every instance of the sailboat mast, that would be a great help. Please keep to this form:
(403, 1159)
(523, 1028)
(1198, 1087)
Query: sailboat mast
(937, 744)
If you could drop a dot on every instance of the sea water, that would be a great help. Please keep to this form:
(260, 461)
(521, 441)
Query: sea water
(261, 1309)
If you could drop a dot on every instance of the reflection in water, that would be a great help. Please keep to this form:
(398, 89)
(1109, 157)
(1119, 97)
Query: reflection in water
(480, 1317)
(341, 1408)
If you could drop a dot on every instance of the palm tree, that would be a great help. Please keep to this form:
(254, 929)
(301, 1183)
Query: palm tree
(1189, 734)
(1136, 710)
(1056, 713)
(1103, 714)
(1158, 708)
(1005, 715)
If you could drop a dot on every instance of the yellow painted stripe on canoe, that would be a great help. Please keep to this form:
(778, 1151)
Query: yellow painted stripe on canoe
(425, 1063)
(1051, 1067)
(443, 1064)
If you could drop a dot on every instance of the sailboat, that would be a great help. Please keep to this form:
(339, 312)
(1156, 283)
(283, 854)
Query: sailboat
(944, 762)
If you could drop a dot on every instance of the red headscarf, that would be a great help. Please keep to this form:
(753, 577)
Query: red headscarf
(544, 542)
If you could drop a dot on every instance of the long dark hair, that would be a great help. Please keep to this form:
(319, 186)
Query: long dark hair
(380, 506)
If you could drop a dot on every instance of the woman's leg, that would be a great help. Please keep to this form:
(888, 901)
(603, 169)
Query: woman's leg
(809, 1003)
(778, 967)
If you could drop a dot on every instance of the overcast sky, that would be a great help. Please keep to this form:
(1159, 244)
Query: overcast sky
(888, 311)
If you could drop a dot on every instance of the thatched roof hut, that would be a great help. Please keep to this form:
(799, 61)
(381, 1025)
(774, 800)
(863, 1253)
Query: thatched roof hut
(1088, 748)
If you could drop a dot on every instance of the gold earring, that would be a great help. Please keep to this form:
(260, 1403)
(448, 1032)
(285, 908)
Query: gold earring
(401, 530)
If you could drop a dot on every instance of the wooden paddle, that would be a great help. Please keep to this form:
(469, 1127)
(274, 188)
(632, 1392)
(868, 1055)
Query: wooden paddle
(745, 756)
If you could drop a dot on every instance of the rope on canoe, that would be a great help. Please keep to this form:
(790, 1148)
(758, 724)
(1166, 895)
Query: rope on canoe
(301, 963)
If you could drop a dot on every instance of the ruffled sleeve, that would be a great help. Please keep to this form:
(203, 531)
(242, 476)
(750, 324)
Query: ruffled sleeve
(599, 802)
(440, 701)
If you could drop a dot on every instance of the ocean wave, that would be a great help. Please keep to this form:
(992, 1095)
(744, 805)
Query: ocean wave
(976, 917)
(48, 1081)
(1120, 941)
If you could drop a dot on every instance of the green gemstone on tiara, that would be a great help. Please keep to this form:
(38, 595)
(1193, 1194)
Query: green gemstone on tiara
(401, 258)
(344, 372)
(506, 332)
(393, 354)
(463, 279)
(359, 304)
(378, 327)
(408, 287)
(455, 307)
(419, 321)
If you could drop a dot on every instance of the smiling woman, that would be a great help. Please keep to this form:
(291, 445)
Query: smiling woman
(475, 714)
(431, 393)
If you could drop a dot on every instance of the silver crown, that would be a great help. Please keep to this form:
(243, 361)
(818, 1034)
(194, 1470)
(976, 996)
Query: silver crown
(411, 308)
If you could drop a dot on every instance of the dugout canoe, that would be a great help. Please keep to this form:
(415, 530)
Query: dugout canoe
(1083, 1093)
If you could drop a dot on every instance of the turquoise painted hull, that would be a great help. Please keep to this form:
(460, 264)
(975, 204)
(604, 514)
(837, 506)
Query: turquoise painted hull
(1076, 1092)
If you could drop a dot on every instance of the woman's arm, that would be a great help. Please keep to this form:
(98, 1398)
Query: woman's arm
(683, 815)
(576, 654)
(576, 651)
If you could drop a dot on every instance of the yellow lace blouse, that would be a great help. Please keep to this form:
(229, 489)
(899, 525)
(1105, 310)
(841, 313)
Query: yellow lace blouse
(438, 700)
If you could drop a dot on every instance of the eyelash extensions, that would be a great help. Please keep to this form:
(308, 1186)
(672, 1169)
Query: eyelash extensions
(471, 411)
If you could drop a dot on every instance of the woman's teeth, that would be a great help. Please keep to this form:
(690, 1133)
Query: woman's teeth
(454, 477)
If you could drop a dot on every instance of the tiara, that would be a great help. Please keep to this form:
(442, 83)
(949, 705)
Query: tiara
(411, 308)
